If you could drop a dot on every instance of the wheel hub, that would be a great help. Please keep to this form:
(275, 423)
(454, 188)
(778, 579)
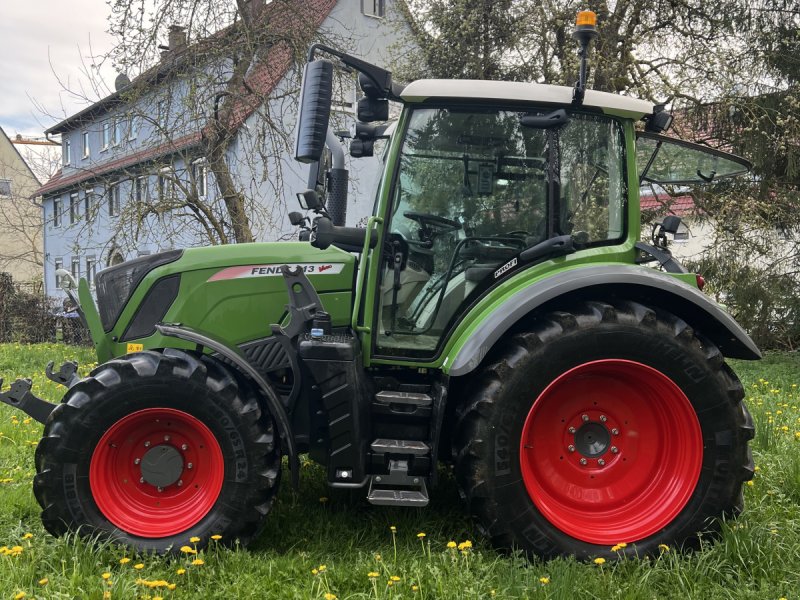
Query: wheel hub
(162, 466)
(592, 439)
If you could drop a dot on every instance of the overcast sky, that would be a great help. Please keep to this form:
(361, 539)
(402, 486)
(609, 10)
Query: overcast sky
(42, 41)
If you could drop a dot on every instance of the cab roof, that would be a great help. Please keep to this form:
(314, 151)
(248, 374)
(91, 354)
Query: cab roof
(431, 89)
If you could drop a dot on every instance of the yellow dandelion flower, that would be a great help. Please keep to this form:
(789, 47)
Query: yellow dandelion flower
(180, 571)
(216, 537)
(44, 581)
(198, 561)
(390, 583)
(378, 557)
(465, 545)
(622, 545)
(171, 586)
(188, 550)
(751, 482)
(599, 560)
(544, 580)
(414, 588)
(106, 595)
(106, 575)
(392, 528)
(194, 539)
(451, 544)
(663, 547)
(323, 499)
(616, 548)
(19, 596)
(158, 598)
(314, 571)
(394, 578)
(138, 566)
(322, 568)
(373, 574)
(421, 534)
(124, 560)
(27, 536)
(329, 596)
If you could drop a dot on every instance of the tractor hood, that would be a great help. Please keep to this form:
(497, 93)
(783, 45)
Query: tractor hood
(233, 292)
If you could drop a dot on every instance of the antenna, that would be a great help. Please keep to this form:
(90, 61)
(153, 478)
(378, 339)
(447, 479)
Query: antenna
(585, 32)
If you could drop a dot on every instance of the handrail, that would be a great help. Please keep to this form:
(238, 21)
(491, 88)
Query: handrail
(363, 268)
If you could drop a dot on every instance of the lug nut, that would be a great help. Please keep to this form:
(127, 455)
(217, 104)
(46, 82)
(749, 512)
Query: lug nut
(189, 466)
(571, 448)
(601, 462)
(571, 430)
(614, 431)
(585, 418)
(166, 438)
(136, 461)
(603, 418)
(583, 461)
(147, 444)
(184, 447)
(614, 449)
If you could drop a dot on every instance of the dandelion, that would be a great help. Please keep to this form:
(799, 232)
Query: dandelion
(106, 575)
(198, 561)
(322, 568)
(323, 499)
(216, 537)
(394, 578)
(378, 557)
(544, 580)
(616, 548)
(599, 560)
(314, 572)
(751, 483)
(194, 539)
(171, 586)
(44, 581)
(27, 536)
(180, 571)
(329, 596)
(465, 545)
(414, 588)
(106, 595)
(392, 528)
(663, 547)
(124, 560)
(188, 550)
(19, 596)
(421, 535)
(373, 575)
(451, 544)
(138, 566)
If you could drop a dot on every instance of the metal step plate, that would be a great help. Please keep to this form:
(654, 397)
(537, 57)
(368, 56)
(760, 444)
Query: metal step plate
(392, 397)
(384, 497)
(387, 446)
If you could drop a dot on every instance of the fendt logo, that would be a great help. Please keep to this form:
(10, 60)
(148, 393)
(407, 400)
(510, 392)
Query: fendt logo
(509, 265)
(275, 270)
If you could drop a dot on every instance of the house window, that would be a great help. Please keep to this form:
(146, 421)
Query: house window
(5, 187)
(88, 201)
(140, 191)
(200, 174)
(166, 184)
(85, 141)
(57, 213)
(76, 268)
(114, 200)
(119, 130)
(373, 8)
(74, 209)
(133, 128)
(67, 152)
(59, 264)
(106, 134)
(91, 269)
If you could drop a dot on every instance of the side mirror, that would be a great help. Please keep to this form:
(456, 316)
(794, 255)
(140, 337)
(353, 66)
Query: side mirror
(315, 110)
(66, 280)
(309, 200)
(296, 218)
(372, 109)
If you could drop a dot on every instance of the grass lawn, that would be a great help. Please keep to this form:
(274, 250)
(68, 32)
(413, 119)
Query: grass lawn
(322, 543)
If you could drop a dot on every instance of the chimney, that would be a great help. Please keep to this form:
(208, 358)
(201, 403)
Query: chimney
(177, 38)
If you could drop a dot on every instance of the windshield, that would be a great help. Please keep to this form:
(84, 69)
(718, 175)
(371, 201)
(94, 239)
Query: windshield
(475, 188)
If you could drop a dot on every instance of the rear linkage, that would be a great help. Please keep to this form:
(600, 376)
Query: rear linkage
(20, 396)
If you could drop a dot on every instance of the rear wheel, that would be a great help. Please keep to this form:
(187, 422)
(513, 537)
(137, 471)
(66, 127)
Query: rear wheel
(155, 448)
(603, 425)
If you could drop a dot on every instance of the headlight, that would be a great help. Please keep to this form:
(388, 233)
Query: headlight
(116, 284)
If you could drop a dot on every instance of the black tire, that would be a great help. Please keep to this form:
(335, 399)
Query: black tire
(240, 465)
(490, 424)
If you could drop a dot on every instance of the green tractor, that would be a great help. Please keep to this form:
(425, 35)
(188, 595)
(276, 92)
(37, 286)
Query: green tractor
(496, 314)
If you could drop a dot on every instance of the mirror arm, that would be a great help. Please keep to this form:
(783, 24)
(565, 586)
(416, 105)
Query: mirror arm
(380, 77)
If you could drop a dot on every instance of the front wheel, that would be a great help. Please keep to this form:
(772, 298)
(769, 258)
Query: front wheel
(602, 425)
(155, 448)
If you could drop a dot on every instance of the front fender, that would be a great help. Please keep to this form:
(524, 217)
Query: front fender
(606, 282)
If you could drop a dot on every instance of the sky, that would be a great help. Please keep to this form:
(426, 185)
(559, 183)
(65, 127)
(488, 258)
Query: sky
(45, 47)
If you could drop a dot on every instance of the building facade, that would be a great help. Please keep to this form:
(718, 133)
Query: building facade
(136, 177)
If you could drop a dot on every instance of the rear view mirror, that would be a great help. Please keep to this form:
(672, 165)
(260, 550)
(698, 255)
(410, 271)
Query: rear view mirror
(309, 200)
(372, 109)
(315, 110)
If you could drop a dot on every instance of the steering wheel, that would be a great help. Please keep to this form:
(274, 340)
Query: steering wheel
(435, 221)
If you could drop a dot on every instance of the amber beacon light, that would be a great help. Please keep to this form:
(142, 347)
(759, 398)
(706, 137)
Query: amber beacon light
(586, 18)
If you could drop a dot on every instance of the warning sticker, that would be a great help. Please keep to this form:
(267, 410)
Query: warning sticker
(244, 272)
(135, 348)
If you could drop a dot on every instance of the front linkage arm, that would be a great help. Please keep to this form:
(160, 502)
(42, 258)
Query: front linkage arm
(20, 396)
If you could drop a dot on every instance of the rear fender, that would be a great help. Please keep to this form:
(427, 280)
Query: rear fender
(607, 282)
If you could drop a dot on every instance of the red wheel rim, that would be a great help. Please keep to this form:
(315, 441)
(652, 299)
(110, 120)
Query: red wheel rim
(611, 451)
(142, 500)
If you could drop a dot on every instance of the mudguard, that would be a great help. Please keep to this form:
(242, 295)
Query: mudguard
(606, 282)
